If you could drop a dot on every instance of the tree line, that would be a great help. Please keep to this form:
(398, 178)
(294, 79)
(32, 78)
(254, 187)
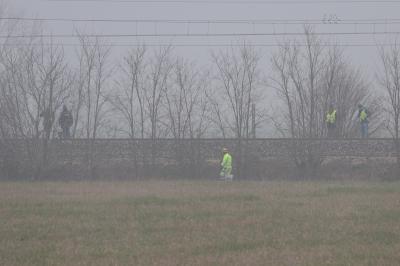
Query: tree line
(156, 93)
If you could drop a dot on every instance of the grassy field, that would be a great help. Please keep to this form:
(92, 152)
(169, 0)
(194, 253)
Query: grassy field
(199, 223)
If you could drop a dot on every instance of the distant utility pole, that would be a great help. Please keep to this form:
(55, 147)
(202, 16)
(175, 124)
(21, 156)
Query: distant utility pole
(253, 116)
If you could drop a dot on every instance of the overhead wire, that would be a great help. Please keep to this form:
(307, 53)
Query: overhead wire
(257, 2)
(198, 34)
(213, 21)
(195, 44)
(376, 21)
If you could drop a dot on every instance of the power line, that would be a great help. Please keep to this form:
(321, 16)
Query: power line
(211, 21)
(197, 34)
(254, 2)
(194, 44)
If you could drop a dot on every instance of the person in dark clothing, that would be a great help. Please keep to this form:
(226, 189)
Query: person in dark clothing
(48, 120)
(66, 121)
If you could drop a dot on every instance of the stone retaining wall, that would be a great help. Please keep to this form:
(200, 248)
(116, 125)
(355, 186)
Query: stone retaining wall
(167, 153)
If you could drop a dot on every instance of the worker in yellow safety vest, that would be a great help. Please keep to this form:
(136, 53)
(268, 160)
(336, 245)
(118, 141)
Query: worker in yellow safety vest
(364, 120)
(331, 121)
(226, 165)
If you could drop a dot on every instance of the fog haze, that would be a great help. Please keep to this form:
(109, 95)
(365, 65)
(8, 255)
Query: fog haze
(199, 49)
(203, 11)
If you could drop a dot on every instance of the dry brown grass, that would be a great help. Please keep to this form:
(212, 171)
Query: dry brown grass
(200, 223)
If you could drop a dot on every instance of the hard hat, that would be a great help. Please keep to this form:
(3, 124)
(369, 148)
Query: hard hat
(224, 150)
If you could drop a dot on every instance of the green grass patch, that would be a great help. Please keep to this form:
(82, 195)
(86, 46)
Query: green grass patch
(199, 223)
(233, 198)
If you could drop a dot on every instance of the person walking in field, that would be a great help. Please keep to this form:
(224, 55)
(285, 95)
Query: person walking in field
(363, 116)
(226, 165)
(331, 122)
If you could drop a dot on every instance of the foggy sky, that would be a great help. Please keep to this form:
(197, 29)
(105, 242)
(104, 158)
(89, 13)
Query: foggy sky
(101, 10)
(363, 57)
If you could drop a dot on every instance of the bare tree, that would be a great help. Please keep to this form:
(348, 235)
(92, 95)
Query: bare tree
(238, 84)
(309, 78)
(157, 83)
(129, 100)
(390, 81)
(36, 82)
(186, 109)
(77, 97)
(184, 101)
(55, 82)
(296, 89)
(96, 72)
(239, 87)
(345, 87)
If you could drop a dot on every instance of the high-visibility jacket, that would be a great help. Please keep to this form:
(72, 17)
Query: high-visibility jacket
(227, 161)
(331, 117)
(363, 116)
